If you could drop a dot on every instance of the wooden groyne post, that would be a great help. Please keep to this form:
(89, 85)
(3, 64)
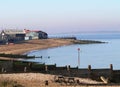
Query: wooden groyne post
(111, 71)
(3, 70)
(68, 68)
(111, 67)
(46, 68)
(25, 69)
(89, 70)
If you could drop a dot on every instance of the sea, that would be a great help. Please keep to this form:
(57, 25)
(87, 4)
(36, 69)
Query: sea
(97, 55)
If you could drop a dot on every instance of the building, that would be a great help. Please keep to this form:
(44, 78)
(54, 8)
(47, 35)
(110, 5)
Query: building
(35, 34)
(14, 35)
(11, 36)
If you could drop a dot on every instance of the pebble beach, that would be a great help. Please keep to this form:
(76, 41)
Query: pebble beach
(37, 79)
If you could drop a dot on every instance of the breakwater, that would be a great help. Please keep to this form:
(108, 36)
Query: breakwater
(76, 41)
(64, 37)
(95, 74)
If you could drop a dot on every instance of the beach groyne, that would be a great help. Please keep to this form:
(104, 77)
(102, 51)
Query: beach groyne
(65, 37)
(95, 74)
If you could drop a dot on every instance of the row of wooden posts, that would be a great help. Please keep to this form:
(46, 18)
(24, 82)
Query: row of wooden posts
(68, 68)
(111, 67)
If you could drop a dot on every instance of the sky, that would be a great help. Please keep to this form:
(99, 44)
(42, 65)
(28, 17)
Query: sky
(60, 16)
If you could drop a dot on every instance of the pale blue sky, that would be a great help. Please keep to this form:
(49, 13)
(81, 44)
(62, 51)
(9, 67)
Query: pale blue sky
(59, 16)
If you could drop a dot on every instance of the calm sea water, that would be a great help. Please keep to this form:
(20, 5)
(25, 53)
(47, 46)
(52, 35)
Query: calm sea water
(96, 55)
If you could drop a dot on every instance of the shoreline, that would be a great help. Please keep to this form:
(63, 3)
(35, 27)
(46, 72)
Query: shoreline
(31, 45)
(37, 79)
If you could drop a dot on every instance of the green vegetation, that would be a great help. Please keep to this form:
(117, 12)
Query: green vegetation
(16, 56)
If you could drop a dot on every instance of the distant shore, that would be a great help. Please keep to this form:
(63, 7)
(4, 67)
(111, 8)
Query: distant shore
(30, 45)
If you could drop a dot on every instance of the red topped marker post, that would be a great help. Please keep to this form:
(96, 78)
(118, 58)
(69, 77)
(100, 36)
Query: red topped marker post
(78, 57)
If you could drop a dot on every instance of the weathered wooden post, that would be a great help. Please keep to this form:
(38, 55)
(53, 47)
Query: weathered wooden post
(2, 70)
(68, 68)
(46, 68)
(111, 71)
(78, 57)
(55, 66)
(25, 69)
(30, 65)
(111, 67)
(89, 71)
(89, 67)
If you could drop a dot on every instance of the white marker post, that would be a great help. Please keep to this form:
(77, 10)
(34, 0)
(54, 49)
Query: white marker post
(78, 57)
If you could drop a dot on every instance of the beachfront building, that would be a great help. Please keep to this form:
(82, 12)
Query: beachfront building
(11, 36)
(14, 35)
(35, 34)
